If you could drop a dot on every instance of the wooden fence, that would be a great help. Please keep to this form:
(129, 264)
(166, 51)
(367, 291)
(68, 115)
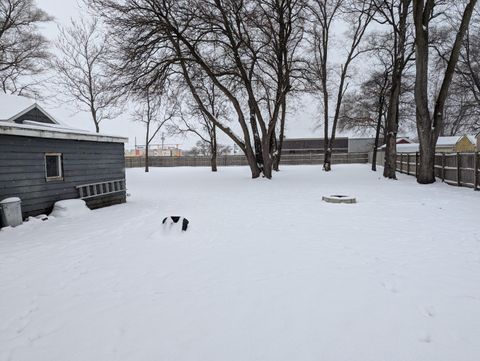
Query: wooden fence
(459, 169)
(238, 160)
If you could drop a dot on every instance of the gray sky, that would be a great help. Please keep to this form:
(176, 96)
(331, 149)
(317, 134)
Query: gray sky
(300, 123)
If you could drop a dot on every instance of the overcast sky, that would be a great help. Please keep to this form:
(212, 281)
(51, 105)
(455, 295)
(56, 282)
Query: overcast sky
(301, 123)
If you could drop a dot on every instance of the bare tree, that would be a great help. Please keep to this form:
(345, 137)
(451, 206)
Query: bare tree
(204, 148)
(194, 121)
(153, 110)
(224, 41)
(394, 14)
(323, 14)
(365, 109)
(23, 50)
(430, 124)
(82, 68)
(462, 110)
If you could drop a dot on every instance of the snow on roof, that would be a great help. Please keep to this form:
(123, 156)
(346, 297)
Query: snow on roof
(405, 148)
(408, 148)
(447, 141)
(55, 131)
(12, 106)
(451, 141)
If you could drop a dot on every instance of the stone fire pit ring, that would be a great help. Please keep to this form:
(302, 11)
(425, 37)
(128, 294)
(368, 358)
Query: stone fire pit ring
(339, 198)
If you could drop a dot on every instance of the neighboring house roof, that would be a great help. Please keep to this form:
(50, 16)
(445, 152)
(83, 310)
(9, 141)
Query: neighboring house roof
(408, 148)
(404, 147)
(448, 141)
(451, 141)
(403, 141)
(55, 131)
(14, 106)
(442, 142)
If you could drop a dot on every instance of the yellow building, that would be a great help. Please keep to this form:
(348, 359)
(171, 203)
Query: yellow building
(460, 144)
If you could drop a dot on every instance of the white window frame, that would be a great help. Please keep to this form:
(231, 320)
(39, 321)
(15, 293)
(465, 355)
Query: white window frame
(60, 166)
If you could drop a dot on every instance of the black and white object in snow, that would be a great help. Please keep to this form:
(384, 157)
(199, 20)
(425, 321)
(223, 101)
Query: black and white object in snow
(168, 222)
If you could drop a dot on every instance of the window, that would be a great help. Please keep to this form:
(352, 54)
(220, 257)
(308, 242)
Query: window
(53, 166)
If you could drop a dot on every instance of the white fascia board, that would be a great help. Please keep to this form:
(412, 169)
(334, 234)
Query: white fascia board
(37, 132)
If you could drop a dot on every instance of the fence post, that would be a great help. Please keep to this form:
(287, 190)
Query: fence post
(459, 183)
(416, 164)
(401, 162)
(408, 163)
(476, 165)
(443, 167)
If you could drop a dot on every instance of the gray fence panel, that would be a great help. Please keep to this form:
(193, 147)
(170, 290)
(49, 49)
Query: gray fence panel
(240, 160)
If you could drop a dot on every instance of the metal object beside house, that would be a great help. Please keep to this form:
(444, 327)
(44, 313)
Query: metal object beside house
(11, 212)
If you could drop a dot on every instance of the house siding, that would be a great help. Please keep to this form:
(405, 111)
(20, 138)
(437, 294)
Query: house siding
(464, 145)
(34, 114)
(22, 171)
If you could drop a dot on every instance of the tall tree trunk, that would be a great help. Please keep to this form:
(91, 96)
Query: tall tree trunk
(327, 154)
(381, 102)
(267, 160)
(147, 141)
(278, 155)
(426, 170)
(428, 126)
(213, 158)
(391, 123)
(93, 111)
(256, 136)
(327, 160)
(391, 127)
(252, 163)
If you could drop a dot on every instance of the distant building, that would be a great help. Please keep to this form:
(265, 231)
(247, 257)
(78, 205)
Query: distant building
(43, 161)
(155, 150)
(365, 145)
(461, 144)
(478, 142)
(312, 145)
(454, 144)
(341, 145)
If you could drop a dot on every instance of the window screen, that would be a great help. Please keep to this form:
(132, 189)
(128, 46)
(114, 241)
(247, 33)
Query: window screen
(53, 166)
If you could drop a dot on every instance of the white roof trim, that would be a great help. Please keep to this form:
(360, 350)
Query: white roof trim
(40, 131)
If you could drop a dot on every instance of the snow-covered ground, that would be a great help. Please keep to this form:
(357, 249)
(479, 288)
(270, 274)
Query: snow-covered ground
(266, 271)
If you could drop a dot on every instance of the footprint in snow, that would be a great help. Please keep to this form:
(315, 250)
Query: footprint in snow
(429, 311)
(425, 337)
(390, 286)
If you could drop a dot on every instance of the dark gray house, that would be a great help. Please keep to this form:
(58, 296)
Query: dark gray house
(42, 161)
